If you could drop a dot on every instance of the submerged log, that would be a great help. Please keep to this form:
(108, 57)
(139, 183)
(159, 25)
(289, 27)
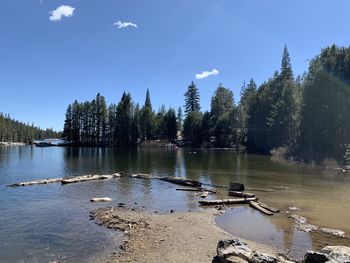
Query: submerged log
(236, 187)
(181, 181)
(261, 209)
(101, 199)
(42, 181)
(228, 201)
(189, 189)
(241, 194)
(76, 179)
(260, 189)
(143, 176)
(84, 178)
(270, 208)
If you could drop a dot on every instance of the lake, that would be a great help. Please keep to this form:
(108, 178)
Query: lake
(51, 222)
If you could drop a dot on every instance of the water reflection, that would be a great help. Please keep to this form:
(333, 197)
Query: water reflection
(51, 222)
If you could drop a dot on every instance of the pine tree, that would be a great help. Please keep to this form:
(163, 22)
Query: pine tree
(192, 99)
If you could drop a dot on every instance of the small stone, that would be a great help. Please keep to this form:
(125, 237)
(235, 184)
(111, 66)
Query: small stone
(172, 211)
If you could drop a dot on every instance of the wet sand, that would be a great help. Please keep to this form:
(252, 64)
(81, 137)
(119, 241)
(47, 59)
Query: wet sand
(175, 237)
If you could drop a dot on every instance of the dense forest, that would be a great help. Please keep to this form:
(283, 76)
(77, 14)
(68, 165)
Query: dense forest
(14, 131)
(308, 116)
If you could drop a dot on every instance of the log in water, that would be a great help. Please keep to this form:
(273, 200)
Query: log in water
(228, 201)
(270, 208)
(80, 178)
(181, 181)
(241, 194)
(259, 208)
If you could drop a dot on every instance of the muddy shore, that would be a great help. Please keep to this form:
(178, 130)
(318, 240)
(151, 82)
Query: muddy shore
(174, 237)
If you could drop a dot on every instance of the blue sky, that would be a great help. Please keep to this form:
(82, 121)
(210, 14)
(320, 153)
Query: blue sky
(45, 64)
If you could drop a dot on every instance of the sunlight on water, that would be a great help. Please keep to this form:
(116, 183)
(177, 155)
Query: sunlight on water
(51, 222)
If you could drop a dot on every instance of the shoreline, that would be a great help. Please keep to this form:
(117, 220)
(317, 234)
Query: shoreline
(176, 237)
(12, 144)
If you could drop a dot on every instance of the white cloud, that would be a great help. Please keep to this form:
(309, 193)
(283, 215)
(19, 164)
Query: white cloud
(60, 12)
(121, 24)
(206, 74)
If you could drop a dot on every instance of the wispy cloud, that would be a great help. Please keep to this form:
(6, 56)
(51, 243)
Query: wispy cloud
(121, 24)
(206, 74)
(60, 12)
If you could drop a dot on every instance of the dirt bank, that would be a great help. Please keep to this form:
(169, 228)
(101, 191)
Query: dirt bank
(175, 237)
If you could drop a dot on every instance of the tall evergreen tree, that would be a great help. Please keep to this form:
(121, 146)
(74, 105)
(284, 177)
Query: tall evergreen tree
(192, 99)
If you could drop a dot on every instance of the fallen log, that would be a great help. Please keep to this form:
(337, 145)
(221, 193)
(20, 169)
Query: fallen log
(228, 201)
(85, 178)
(204, 194)
(143, 176)
(240, 194)
(42, 181)
(101, 199)
(260, 189)
(181, 181)
(270, 208)
(261, 209)
(68, 180)
(189, 189)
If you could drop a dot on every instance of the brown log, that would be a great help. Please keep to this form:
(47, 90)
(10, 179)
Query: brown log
(261, 209)
(241, 194)
(227, 201)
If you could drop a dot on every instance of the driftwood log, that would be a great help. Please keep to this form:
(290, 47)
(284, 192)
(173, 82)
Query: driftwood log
(76, 179)
(259, 208)
(270, 208)
(101, 199)
(181, 181)
(227, 201)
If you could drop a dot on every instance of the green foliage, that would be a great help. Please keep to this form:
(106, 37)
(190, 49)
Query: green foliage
(14, 131)
(192, 99)
(193, 128)
(325, 122)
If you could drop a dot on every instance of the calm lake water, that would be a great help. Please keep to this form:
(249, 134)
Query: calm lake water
(51, 222)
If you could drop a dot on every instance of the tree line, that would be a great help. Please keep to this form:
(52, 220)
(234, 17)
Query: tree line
(93, 123)
(308, 115)
(15, 131)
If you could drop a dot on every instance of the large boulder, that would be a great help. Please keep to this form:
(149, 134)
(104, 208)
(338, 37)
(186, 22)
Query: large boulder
(259, 257)
(236, 251)
(233, 248)
(338, 253)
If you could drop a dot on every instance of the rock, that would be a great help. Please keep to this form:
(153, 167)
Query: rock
(333, 232)
(259, 257)
(315, 257)
(233, 247)
(236, 187)
(234, 259)
(338, 253)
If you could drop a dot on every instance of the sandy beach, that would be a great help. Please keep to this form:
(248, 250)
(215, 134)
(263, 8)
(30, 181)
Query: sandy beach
(174, 237)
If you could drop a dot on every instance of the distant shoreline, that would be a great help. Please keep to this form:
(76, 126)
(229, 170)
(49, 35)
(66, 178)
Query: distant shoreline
(12, 144)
